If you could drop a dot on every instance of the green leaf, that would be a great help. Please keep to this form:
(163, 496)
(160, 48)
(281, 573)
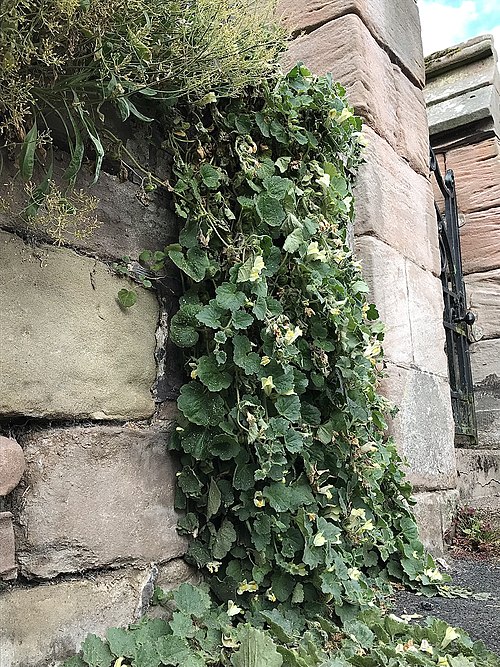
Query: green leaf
(94, 137)
(243, 357)
(75, 163)
(229, 297)
(270, 210)
(277, 187)
(194, 264)
(210, 176)
(96, 652)
(210, 315)
(27, 156)
(257, 649)
(224, 540)
(191, 600)
(127, 298)
(39, 193)
(214, 499)
(289, 407)
(121, 642)
(212, 375)
(293, 241)
(200, 407)
(284, 498)
(172, 650)
(183, 326)
(241, 319)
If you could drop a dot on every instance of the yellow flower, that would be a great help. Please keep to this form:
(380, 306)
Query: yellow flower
(354, 573)
(314, 253)
(258, 265)
(292, 335)
(358, 514)
(368, 525)
(259, 500)
(443, 662)
(324, 180)
(213, 566)
(265, 360)
(319, 540)
(372, 350)
(425, 646)
(247, 587)
(233, 609)
(194, 373)
(268, 385)
(434, 575)
(450, 635)
(346, 113)
(271, 596)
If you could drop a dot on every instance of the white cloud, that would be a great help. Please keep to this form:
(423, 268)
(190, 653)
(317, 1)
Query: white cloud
(443, 26)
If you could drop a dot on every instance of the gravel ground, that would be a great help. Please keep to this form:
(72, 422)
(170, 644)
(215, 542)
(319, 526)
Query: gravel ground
(480, 618)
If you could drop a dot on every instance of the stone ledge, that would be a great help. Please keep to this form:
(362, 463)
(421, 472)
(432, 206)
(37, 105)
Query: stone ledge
(465, 109)
(456, 56)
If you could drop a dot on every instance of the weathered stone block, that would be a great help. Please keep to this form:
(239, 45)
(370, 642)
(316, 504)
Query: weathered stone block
(483, 293)
(46, 624)
(485, 361)
(479, 478)
(11, 464)
(470, 107)
(425, 303)
(396, 205)
(459, 55)
(434, 513)
(8, 569)
(423, 428)
(95, 497)
(68, 349)
(480, 240)
(477, 175)
(395, 24)
(129, 220)
(385, 271)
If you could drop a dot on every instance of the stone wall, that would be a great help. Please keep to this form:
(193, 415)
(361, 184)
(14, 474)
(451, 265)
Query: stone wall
(87, 523)
(463, 98)
(375, 50)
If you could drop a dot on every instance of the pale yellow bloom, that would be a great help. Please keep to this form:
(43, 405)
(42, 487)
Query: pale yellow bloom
(314, 253)
(257, 268)
(292, 335)
(425, 646)
(344, 115)
(450, 635)
(233, 609)
(247, 587)
(271, 596)
(259, 500)
(354, 573)
(265, 360)
(268, 385)
(213, 566)
(319, 540)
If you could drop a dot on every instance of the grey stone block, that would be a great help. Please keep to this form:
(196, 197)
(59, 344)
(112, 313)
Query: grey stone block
(8, 569)
(477, 48)
(434, 513)
(95, 497)
(423, 428)
(485, 362)
(46, 624)
(68, 349)
(483, 294)
(470, 107)
(479, 478)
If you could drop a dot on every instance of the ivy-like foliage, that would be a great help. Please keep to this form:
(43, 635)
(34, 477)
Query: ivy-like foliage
(292, 493)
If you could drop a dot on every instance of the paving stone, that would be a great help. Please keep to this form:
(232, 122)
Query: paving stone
(483, 295)
(8, 569)
(95, 497)
(479, 478)
(395, 24)
(11, 464)
(480, 240)
(396, 205)
(477, 175)
(68, 349)
(423, 429)
(45, 624)
(434, 512)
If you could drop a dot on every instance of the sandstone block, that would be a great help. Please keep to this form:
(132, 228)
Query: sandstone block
(423, 428)
(95, 497)
(379, 92)
(396, 205)
(385, 271)
(477, 175)
(46, 624)
(11, 464)
(434, 512)
(395, 24)
(485, 361)
(483, 293)
(8, 569)
(68, 349)
(425, 303)
(479, 478)
(480, 240)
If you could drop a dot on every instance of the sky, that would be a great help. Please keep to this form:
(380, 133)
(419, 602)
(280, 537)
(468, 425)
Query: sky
(448, 22)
